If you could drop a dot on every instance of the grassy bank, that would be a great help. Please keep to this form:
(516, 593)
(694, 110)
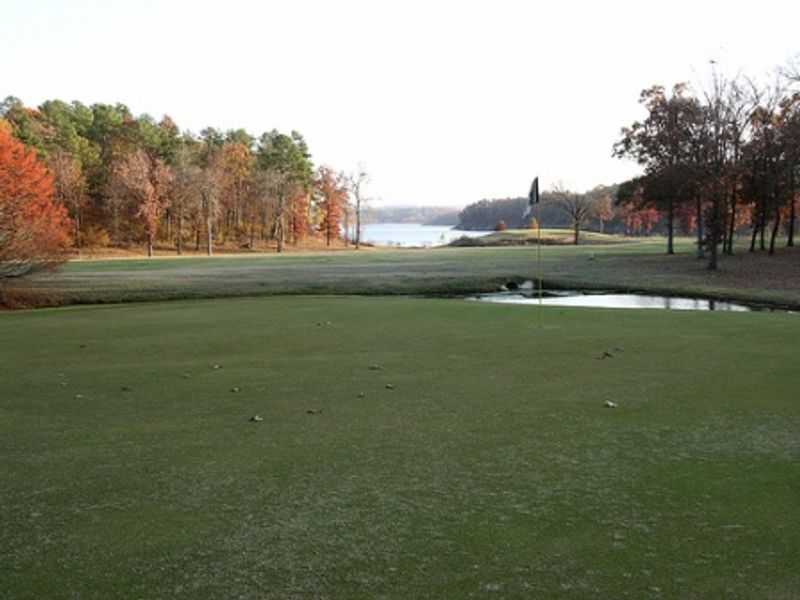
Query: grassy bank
(550, 236)
(640, 266)
(491, 469)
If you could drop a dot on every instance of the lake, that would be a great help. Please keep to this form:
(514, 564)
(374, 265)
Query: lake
(406, 235)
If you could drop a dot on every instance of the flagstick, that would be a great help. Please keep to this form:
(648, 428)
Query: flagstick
(539, 254)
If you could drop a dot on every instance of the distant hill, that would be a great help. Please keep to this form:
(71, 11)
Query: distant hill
(425, 215)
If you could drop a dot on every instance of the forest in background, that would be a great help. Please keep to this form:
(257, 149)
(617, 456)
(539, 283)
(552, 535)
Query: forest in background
(721, 163)
(128, 180)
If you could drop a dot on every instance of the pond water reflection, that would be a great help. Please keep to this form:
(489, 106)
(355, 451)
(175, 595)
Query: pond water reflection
(612, 301)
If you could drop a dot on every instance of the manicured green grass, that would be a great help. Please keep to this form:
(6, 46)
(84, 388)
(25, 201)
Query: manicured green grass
(491, 469)
(547, 236)
(640, 266)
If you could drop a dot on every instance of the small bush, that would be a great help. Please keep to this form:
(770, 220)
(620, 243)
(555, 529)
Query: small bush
(500, 225)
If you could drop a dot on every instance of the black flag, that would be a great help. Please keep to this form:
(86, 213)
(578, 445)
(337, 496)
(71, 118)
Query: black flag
(533, 196)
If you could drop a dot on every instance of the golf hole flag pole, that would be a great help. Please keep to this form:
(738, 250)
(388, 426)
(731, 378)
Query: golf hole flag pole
(533, 200)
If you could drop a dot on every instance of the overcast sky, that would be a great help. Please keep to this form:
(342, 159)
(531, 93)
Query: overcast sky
(444, 102)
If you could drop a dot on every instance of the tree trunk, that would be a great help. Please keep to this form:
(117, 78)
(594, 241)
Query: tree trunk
(775, 226)
(209, 236)
(732, 224)
(700, 252)
(115, 221)
(149, 244)
(252, 232)
(793, 202)
(577, 231)
(670, 227)
(78, 241)
(179, 233)
(327, 222)
(358, 223)
(279, 225)
(713, 236)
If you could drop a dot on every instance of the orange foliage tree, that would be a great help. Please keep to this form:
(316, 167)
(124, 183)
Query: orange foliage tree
(333, 187)
(147, 181)
(33, 230)
(300, 205)
(236, 162)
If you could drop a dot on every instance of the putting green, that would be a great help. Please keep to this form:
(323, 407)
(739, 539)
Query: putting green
(409, 448)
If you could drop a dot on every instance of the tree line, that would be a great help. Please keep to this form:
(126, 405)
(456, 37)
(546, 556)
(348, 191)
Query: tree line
(722, 163)
(125, 180)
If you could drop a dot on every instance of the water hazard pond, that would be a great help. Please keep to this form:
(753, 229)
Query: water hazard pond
(608, 300)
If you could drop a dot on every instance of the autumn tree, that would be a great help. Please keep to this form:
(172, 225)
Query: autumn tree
(603, 210)
(210, 185)
(286, 157)
(70, 190)
(147, 181)
(332, 187)
(667, 145)
(300, 208)
(185, 200)
(227, 186)
(791, 134)
(33, 230)
(263, 188)
(235, 164)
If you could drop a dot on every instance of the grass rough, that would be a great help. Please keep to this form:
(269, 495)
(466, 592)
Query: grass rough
(626, 267)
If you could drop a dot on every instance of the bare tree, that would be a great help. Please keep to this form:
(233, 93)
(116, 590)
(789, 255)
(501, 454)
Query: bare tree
(356, 183)
(576, 206)
(791, 71)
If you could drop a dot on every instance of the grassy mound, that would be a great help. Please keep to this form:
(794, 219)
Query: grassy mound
(549, 237)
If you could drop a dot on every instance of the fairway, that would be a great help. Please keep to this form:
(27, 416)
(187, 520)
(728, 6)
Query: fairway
(632, 266)
(409, 449)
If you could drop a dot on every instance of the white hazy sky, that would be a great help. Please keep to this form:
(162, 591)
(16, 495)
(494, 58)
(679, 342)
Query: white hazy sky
(444, 102)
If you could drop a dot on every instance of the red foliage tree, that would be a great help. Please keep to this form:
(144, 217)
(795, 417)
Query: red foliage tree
(638, 221)
(33, 230)
(333, 187)
(299, 210)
